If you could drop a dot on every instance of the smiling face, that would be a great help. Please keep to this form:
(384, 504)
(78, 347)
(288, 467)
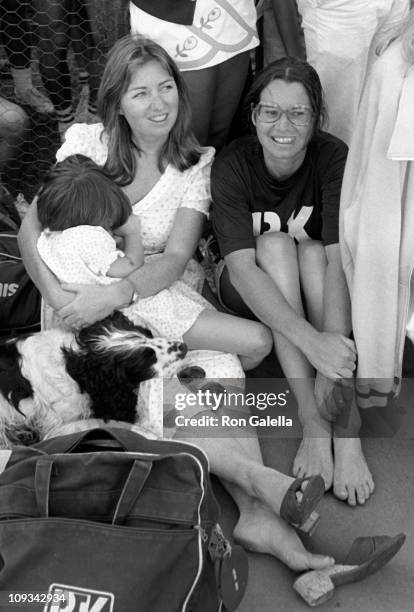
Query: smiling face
(284, 144)
(150, 104)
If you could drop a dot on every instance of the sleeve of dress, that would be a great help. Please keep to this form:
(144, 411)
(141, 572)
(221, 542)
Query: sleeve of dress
(396, 14)
(331, 177)
(231, 214)
(84, 139)
(197, 188)
(98, 249)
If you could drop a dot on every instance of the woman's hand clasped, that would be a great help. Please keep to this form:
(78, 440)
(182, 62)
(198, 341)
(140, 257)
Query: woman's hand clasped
(334, 397)
(333, 355)
(90, 303)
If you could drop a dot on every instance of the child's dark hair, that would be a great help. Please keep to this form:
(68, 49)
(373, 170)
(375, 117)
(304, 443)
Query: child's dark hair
(77, 191)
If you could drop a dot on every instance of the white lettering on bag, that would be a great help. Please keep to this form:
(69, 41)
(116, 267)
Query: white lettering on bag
(78, 600)
(8, 289)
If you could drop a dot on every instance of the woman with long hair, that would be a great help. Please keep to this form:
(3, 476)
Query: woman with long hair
(275, 214)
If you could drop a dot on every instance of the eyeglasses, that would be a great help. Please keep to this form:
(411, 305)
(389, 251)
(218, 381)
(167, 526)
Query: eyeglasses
(269, 113)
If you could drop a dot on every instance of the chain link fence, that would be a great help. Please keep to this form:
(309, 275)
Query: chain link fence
(51, 59)
(52, 54)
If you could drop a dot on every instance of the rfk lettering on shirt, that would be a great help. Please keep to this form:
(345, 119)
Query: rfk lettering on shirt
(269, 221)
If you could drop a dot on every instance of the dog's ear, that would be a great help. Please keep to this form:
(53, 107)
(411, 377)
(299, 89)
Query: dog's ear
(120, 321)
(138, 366)
(13, 385)
(112, 387)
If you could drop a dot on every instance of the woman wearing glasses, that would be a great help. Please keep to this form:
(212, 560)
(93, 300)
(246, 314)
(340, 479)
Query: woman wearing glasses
(275, 215)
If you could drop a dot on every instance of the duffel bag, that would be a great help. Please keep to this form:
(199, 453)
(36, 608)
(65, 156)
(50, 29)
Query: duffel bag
(19, 298)
(110, 521)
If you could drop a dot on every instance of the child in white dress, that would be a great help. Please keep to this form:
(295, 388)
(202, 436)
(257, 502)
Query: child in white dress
(81, 211)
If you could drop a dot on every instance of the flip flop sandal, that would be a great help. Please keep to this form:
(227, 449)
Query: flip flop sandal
(366, 556)
(300, 514)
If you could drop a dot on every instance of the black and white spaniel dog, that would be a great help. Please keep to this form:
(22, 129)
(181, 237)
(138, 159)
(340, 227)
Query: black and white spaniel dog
(55, 377)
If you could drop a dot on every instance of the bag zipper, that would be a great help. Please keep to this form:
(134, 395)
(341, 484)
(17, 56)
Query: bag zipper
(201, 533)
(65, 519)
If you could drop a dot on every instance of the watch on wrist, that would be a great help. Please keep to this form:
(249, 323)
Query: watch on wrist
(135, 294)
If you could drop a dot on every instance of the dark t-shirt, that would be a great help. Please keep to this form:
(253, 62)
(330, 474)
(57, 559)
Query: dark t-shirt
(248, 201)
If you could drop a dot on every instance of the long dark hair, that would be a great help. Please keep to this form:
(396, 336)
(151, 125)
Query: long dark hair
(78, 192)
(181, 149)
(291, 70)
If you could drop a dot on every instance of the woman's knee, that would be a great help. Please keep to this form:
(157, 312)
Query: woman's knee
(262, 341)
(274, 248)
(311, 249)
(311, 253)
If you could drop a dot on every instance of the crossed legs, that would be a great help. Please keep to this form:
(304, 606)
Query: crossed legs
(258, 492)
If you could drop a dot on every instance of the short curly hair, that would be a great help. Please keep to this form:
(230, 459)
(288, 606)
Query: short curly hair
(77, 191)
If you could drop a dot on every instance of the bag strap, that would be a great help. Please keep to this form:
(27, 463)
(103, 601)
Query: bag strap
(8, 221)
(72, 442)
(128, 440)
(43, 474)
(8, 256)
(132, 488)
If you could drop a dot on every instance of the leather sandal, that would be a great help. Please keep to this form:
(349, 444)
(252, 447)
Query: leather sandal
(300, 514)
(366, 556)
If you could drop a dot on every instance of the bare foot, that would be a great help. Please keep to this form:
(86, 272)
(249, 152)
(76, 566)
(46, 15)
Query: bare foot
(352, 480)
(260, 530)
(269, 487)
(314, 456)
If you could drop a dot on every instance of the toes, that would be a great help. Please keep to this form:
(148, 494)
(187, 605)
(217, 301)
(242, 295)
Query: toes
(318, 562)
(371, 485)
(298, 471)
(328, 482)
(367, 490)
(341, 492)
(352, 498)
(361, 495)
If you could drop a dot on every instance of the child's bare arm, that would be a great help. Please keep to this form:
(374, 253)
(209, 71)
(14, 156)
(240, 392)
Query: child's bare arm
(133, 249)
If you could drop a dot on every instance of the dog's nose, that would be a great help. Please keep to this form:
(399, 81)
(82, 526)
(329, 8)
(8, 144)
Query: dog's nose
(181, 349)
(178, 347)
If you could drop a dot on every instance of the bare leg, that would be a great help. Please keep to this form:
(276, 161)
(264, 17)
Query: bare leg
(257, 490)
(353, 480)
(218, 331)
(277, 255)
(51, 17)
(13, 124)
(259, 530)
(312, 268)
